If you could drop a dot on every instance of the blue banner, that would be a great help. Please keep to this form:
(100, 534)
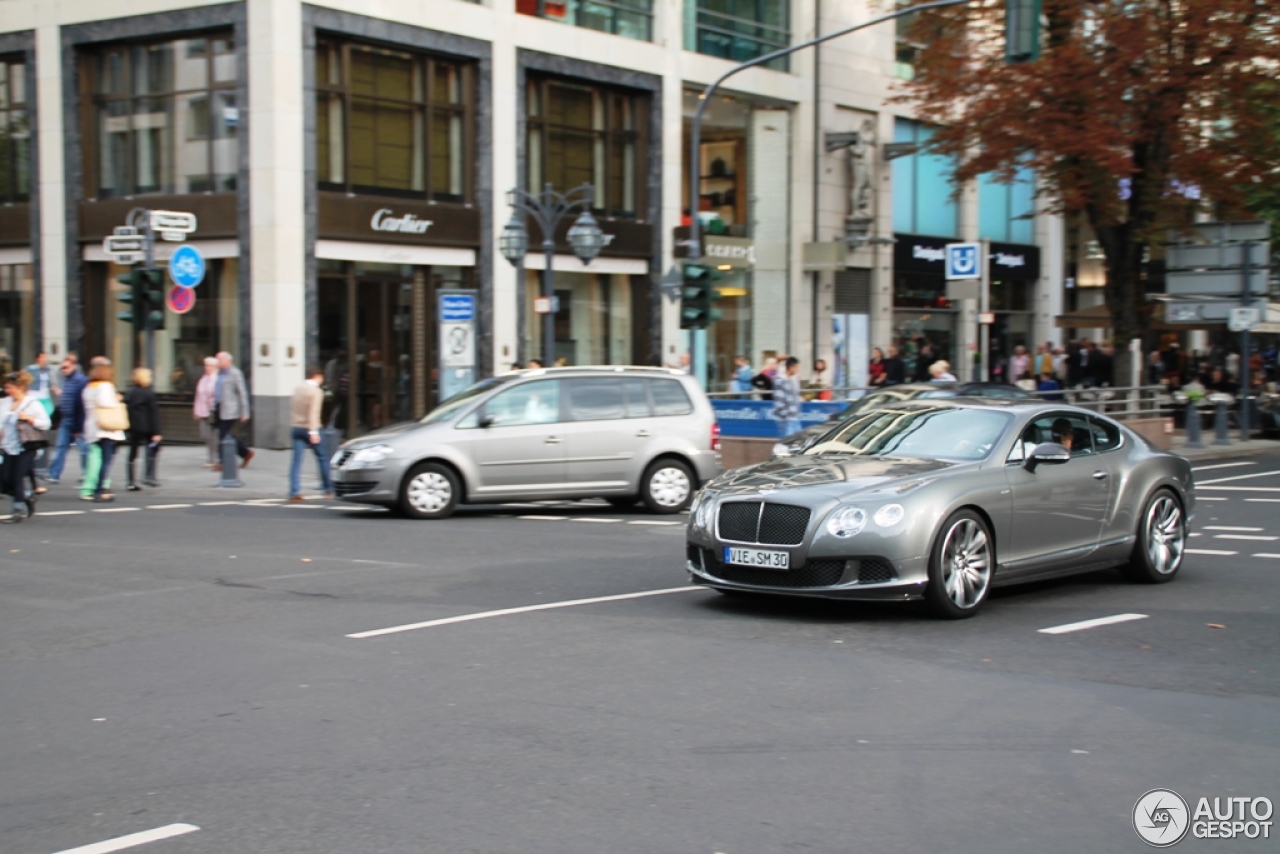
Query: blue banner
(755, 417)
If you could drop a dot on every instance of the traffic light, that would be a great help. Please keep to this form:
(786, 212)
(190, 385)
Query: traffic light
(132, 313)
(1022, 30)
(697, 296)
(152, 308)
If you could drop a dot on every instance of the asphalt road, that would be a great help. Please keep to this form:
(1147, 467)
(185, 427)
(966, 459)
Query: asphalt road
(176, 661)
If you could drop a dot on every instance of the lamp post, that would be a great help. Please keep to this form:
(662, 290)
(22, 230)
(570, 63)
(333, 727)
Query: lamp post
(547, 209)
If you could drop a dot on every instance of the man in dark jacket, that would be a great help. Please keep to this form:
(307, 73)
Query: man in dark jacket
(71, 427)
(895, 372)
(924, 360)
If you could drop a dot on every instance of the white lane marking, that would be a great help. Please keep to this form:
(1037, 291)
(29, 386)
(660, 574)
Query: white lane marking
(218, 503)
(117, 510)
(594, 519)
(303, 506)
(1218, 498)
(61, 513)
(1241, 488)
(1264, 500)
(1239, 477)
(1195, 535)
(348, 507)
(1091, 624)
(1209, 552)
(1265, 554)
(1245, 537)
(525, 609)
(544, 518)
(1221, 466)
(652, 522)
(132, 840)
(167, 506)
(253, 501)
(1231, 528)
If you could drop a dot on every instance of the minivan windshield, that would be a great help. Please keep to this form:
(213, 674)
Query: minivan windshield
(459, 401)
(949, 433)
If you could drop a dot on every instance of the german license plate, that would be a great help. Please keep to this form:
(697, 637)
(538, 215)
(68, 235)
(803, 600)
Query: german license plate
(758, 558)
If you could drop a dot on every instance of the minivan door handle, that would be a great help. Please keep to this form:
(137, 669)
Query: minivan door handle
(642, 434)
(553, 440)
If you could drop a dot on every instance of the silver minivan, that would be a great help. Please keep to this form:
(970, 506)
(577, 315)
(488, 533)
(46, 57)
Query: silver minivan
(625, 434)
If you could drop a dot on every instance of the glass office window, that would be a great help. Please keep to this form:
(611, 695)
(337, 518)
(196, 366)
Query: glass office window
(15, 133)
(392, 122)
(1006, 210)
(579, 133)
(922, 186)
(164, 117)
(738, 29)
(630, 18)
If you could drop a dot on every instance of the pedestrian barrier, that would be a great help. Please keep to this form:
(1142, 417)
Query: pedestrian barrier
(1193, 426)
(1221, 431)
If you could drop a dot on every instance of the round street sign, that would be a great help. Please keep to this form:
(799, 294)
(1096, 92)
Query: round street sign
(186, 267)
(181, 300)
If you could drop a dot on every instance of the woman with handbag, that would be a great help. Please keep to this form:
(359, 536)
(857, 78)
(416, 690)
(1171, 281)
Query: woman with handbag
(105, 420)
(23, 422)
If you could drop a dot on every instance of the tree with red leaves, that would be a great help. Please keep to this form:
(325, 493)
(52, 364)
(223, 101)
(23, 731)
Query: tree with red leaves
(1136, 113)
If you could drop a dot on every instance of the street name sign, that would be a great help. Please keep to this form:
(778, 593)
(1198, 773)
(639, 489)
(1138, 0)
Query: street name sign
(1243, 319)
(180, 221)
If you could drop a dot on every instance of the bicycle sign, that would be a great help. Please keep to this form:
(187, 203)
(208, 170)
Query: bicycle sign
(187, 267)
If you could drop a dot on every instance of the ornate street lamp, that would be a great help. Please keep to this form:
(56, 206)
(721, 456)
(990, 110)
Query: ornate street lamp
(547, 210)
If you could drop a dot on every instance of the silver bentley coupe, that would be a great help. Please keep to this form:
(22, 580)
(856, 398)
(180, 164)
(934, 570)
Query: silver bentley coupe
(942, 500)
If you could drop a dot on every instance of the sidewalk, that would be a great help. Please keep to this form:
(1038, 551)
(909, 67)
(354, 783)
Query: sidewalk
(182, 473)
(1210, 451)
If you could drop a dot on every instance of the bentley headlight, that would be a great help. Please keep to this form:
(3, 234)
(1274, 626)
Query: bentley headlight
(703, 512)
(371, 455)
(846, 522)
(889, 515)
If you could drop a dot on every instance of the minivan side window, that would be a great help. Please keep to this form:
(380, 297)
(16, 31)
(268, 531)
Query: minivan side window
(669, 398)
(528, 403)
(637, 391)
(594, 400)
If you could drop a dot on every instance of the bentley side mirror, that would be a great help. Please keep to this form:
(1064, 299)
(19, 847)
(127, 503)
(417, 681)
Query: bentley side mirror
(1050, 454)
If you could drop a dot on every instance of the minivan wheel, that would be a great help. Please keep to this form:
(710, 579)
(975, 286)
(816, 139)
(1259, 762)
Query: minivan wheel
(429, 491)
(667, 486)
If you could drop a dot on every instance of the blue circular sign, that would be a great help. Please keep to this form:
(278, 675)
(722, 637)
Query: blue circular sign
(187, 267)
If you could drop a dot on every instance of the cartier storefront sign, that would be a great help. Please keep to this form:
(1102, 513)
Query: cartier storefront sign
(394, 221)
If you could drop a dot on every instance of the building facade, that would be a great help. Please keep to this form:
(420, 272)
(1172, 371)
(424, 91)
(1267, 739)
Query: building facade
(347, 166)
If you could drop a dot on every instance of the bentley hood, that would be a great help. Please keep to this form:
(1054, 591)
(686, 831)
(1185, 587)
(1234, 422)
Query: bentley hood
(832, 474)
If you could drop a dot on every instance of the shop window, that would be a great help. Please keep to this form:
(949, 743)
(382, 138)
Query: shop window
(922, 186)
(738, 29)
(583, 134)
(630, 18)
(162, 117)
(1006, 208)
(15, 133)
(392, 122)
(17, 317)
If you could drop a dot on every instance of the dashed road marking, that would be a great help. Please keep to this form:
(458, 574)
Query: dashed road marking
(1231, 528)
(132, 840)
(544, 518)
(1091, 624)
(652, 522)
(218, 503)
(1240, 488)
(1214, 552)
(167, 506)
(1222, 466)
(117, 510)
(1245, 537)
(61, 513)
(1264, 500)
(1265, 554)
(593, 519)
(1239, 477)
(506, 612)
(1215, 498)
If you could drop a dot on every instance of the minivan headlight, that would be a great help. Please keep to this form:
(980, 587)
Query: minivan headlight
(845, 522)
(371, 455)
